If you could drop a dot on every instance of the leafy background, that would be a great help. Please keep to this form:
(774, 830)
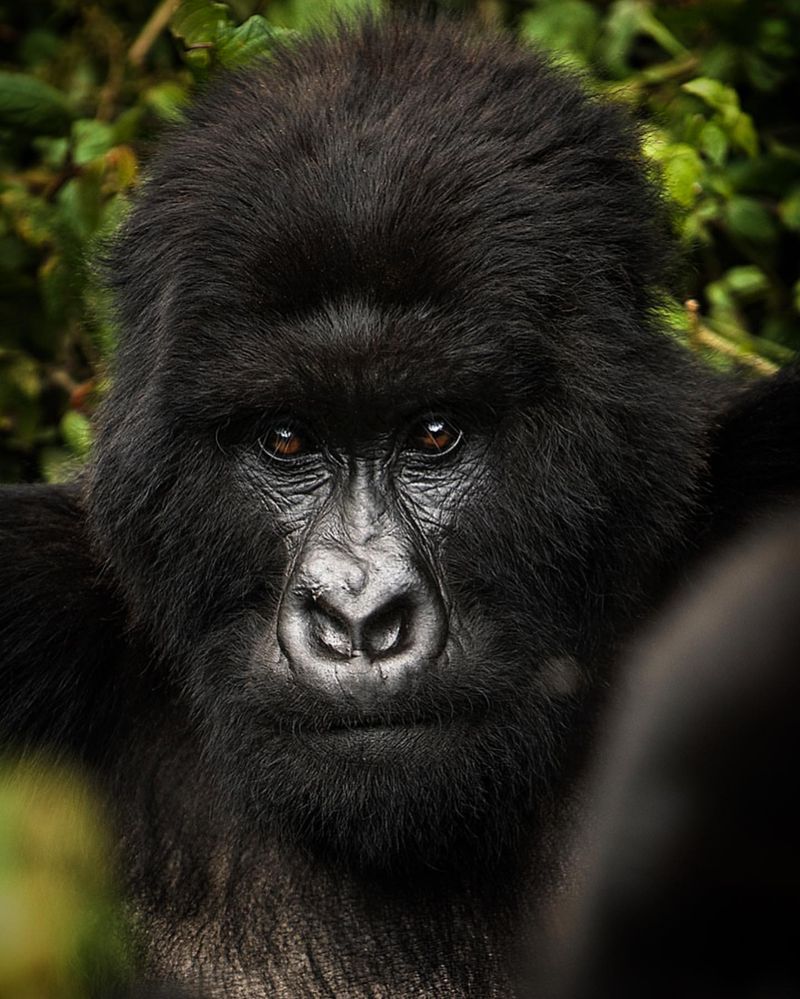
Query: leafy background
(86, 87)
(85, 90)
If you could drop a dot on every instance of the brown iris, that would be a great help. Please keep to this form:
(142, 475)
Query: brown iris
(284, 441)
(433, 435)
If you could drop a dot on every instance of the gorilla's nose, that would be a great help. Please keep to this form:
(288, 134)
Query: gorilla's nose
(360, 628)
(344, 629)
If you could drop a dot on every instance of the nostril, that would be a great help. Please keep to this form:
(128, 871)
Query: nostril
(385, 630)
(378, 634)
(328, 629)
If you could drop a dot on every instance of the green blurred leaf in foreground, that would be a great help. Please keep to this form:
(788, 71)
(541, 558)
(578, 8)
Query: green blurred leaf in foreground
(61, 930)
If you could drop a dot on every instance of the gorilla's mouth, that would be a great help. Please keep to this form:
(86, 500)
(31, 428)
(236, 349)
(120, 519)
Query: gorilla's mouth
(398, 729)
(297, 711)
(378, 742)
(397, 715)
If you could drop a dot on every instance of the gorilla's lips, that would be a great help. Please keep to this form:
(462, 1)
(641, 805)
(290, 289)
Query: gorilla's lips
(344, 733)
(428, 703)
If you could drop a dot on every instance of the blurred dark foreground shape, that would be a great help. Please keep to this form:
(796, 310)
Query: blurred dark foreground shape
(692, 857)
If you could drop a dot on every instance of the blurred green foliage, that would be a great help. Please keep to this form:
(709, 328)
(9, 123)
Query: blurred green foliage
(62, 930)
(86, 88)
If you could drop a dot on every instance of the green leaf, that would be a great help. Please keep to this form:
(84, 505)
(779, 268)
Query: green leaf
(743, 133)
(27, 103)
(53, 150)
(750, 220)
(695, 226)
(80, 205)
(166, 99)
(564, 26)
(650, 25)
(683, 171)
(241, 45)
(90, 139)
(715, 94)
(77, 433)
(714, 143)
(618, 36)
(127, 124)
(199, 22)
(789, 210)
(725, 101)
(747, 281)
(304, 15)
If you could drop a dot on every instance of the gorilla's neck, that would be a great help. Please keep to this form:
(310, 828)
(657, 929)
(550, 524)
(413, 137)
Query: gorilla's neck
(221, 908)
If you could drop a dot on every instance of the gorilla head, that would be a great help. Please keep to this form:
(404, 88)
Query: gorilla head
(394, 450)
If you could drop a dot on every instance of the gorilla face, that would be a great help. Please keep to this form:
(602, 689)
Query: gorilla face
(392, 452)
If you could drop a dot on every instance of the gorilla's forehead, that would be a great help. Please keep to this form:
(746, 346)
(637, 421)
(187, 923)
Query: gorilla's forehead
(400, 233)
(406, 214)
(350, 356)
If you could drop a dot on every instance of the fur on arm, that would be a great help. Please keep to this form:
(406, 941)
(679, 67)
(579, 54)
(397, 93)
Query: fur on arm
(755, 459)
(58, 627)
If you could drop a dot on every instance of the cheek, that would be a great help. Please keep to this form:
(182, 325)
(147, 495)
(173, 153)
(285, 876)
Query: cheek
(435, 496)
(287, 503)
(217, 554)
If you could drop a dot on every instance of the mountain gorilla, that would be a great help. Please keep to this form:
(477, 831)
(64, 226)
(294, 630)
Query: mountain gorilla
(395, 456)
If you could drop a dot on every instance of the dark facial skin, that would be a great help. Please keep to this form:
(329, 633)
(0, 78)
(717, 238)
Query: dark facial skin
(362, 508)
(359, 487)
(361, 612)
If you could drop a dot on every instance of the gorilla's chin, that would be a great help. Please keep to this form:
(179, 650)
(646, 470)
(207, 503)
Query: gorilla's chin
(378, 744)
(389, 797)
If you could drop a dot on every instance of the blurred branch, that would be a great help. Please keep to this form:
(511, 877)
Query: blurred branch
(155, 24)
(701, 337)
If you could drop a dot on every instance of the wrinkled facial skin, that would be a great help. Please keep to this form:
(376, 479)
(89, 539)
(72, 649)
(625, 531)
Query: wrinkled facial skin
(361, 612)
(387, 651)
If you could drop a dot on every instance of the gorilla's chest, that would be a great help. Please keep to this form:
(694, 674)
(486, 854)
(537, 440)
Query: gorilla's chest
(292, 947)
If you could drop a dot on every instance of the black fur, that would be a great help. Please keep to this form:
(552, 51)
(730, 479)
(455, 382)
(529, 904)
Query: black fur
(396, 219)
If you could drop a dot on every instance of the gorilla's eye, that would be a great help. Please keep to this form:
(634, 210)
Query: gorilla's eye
(285, 441)
(434, 436)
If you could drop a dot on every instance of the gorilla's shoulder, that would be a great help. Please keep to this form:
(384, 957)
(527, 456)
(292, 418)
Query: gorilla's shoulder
(753, 462)
(58, 624)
